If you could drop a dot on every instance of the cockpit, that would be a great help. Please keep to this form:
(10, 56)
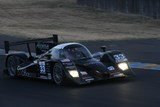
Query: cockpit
(71, 51)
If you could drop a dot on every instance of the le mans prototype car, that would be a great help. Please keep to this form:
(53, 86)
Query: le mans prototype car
(65, 63)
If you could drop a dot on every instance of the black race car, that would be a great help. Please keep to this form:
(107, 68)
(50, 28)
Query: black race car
(66, 62)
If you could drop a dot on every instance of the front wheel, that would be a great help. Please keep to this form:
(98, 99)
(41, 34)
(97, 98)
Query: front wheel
(58, 74)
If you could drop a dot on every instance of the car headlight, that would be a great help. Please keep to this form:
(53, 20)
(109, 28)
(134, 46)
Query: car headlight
(74, 73)
(123, 66)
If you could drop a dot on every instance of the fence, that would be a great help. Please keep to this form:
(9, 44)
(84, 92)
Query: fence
(149, 8)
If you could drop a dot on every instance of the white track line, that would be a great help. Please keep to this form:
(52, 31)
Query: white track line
(148, 66)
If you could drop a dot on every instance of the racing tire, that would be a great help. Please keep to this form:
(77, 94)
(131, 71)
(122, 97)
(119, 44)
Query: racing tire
(58, 75)
(12, 63)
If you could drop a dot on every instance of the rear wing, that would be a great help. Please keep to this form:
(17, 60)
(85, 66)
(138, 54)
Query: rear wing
(41, 45)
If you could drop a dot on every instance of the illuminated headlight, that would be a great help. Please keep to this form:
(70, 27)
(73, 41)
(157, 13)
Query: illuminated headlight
(74, 73)
(123, 66)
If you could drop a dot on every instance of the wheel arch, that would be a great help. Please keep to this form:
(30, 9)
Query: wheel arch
(21, 55)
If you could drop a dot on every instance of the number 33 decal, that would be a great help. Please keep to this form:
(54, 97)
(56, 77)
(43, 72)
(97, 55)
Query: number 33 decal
(42, 67)
(120, 58)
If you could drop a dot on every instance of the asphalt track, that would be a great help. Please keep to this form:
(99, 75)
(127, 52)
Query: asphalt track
(142, 91)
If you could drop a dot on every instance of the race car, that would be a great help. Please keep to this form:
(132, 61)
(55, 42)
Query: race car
(64, 63)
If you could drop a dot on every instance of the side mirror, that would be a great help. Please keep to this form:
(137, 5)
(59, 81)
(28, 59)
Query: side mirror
(103, 48)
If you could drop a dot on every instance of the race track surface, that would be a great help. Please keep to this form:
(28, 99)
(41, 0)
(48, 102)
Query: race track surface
(142, 91)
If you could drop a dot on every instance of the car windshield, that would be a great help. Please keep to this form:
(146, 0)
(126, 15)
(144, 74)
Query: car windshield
(77, 52)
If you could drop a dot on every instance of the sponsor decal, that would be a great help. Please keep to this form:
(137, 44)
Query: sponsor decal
(26, 74)
(90, 63)
(83, 72)
(65, 60)
(42, 46)
(111, 68)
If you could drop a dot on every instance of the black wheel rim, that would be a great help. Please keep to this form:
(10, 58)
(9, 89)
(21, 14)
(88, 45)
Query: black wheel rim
(12, 66)
(58, 74)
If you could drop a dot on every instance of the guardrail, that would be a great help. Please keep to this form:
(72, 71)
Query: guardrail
(149, 8)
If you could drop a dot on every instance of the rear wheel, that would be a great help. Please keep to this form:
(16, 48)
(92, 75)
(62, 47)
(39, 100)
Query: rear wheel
(12, 63)
(58, 74)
